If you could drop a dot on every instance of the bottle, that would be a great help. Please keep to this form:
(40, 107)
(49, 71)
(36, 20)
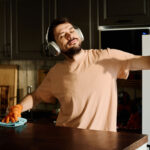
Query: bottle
(29, 87)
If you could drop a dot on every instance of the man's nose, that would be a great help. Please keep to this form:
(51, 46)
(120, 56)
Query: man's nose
(68, 36)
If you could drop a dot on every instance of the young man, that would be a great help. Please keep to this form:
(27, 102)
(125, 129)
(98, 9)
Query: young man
(84, 83)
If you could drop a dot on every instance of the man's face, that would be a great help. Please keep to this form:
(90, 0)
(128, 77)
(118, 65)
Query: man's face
(67, 37)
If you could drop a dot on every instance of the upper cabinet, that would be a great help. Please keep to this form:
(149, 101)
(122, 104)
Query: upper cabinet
(23, 24)
(30, 20)
(124, 12)
(82, 14)
(5, 30)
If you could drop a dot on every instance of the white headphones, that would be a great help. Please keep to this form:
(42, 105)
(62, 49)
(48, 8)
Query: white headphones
(52, 48)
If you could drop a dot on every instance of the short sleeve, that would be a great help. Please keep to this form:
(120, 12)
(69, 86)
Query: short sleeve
(43, 92)
(122, 62)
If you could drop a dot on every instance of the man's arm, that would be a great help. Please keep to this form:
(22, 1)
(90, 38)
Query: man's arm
(28, 102)
(139, 63)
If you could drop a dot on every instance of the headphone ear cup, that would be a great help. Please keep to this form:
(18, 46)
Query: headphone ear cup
(80, 34)
(53, 48)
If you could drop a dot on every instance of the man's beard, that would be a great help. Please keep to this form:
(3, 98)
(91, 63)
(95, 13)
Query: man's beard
(72, 51)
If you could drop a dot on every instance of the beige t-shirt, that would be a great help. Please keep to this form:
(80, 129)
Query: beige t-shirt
(86, 88)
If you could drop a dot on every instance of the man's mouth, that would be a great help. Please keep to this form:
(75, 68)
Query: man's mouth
(72, 41)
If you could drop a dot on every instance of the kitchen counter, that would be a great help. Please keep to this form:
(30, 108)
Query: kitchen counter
(44, 136)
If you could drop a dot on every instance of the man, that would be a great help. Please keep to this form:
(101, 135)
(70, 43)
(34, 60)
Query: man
(84, 83)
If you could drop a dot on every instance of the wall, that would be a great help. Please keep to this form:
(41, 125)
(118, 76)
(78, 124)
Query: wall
(28, 76)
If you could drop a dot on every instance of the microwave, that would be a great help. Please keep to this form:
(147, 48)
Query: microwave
(135, 40)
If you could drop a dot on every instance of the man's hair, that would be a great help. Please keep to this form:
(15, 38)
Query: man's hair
(53, 25)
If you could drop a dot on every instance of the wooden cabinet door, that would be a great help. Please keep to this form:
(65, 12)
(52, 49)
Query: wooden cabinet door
(79, 13)
(5, 30)
(2, 32)
(30, 19)
(124, 12)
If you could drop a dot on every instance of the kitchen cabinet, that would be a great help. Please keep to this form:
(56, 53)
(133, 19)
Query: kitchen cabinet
(83, 15)
(30, 20)
(23, 24)
(1, 27)
(5, 30)
(122, 13)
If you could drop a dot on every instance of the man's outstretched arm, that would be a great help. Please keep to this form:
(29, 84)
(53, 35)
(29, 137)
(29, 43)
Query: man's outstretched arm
(139, 63)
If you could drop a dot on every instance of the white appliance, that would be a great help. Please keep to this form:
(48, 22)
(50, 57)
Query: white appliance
(146, 89)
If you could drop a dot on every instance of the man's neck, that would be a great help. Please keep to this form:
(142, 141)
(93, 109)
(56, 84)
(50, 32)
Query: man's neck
(75, 57)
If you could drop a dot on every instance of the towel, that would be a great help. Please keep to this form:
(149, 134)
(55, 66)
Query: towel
(20, 122)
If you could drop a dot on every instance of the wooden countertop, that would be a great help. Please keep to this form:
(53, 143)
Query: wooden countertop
(44, 136)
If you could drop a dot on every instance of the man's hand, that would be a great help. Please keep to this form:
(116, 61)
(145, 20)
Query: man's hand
(14, 113)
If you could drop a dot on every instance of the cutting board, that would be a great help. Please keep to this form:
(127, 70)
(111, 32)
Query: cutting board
(8, 77)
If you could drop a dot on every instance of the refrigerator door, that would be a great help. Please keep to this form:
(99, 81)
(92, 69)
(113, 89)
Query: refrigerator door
(146, 89)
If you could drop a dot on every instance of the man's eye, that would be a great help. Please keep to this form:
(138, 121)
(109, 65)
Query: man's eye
(71, 31)
(61, 36)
